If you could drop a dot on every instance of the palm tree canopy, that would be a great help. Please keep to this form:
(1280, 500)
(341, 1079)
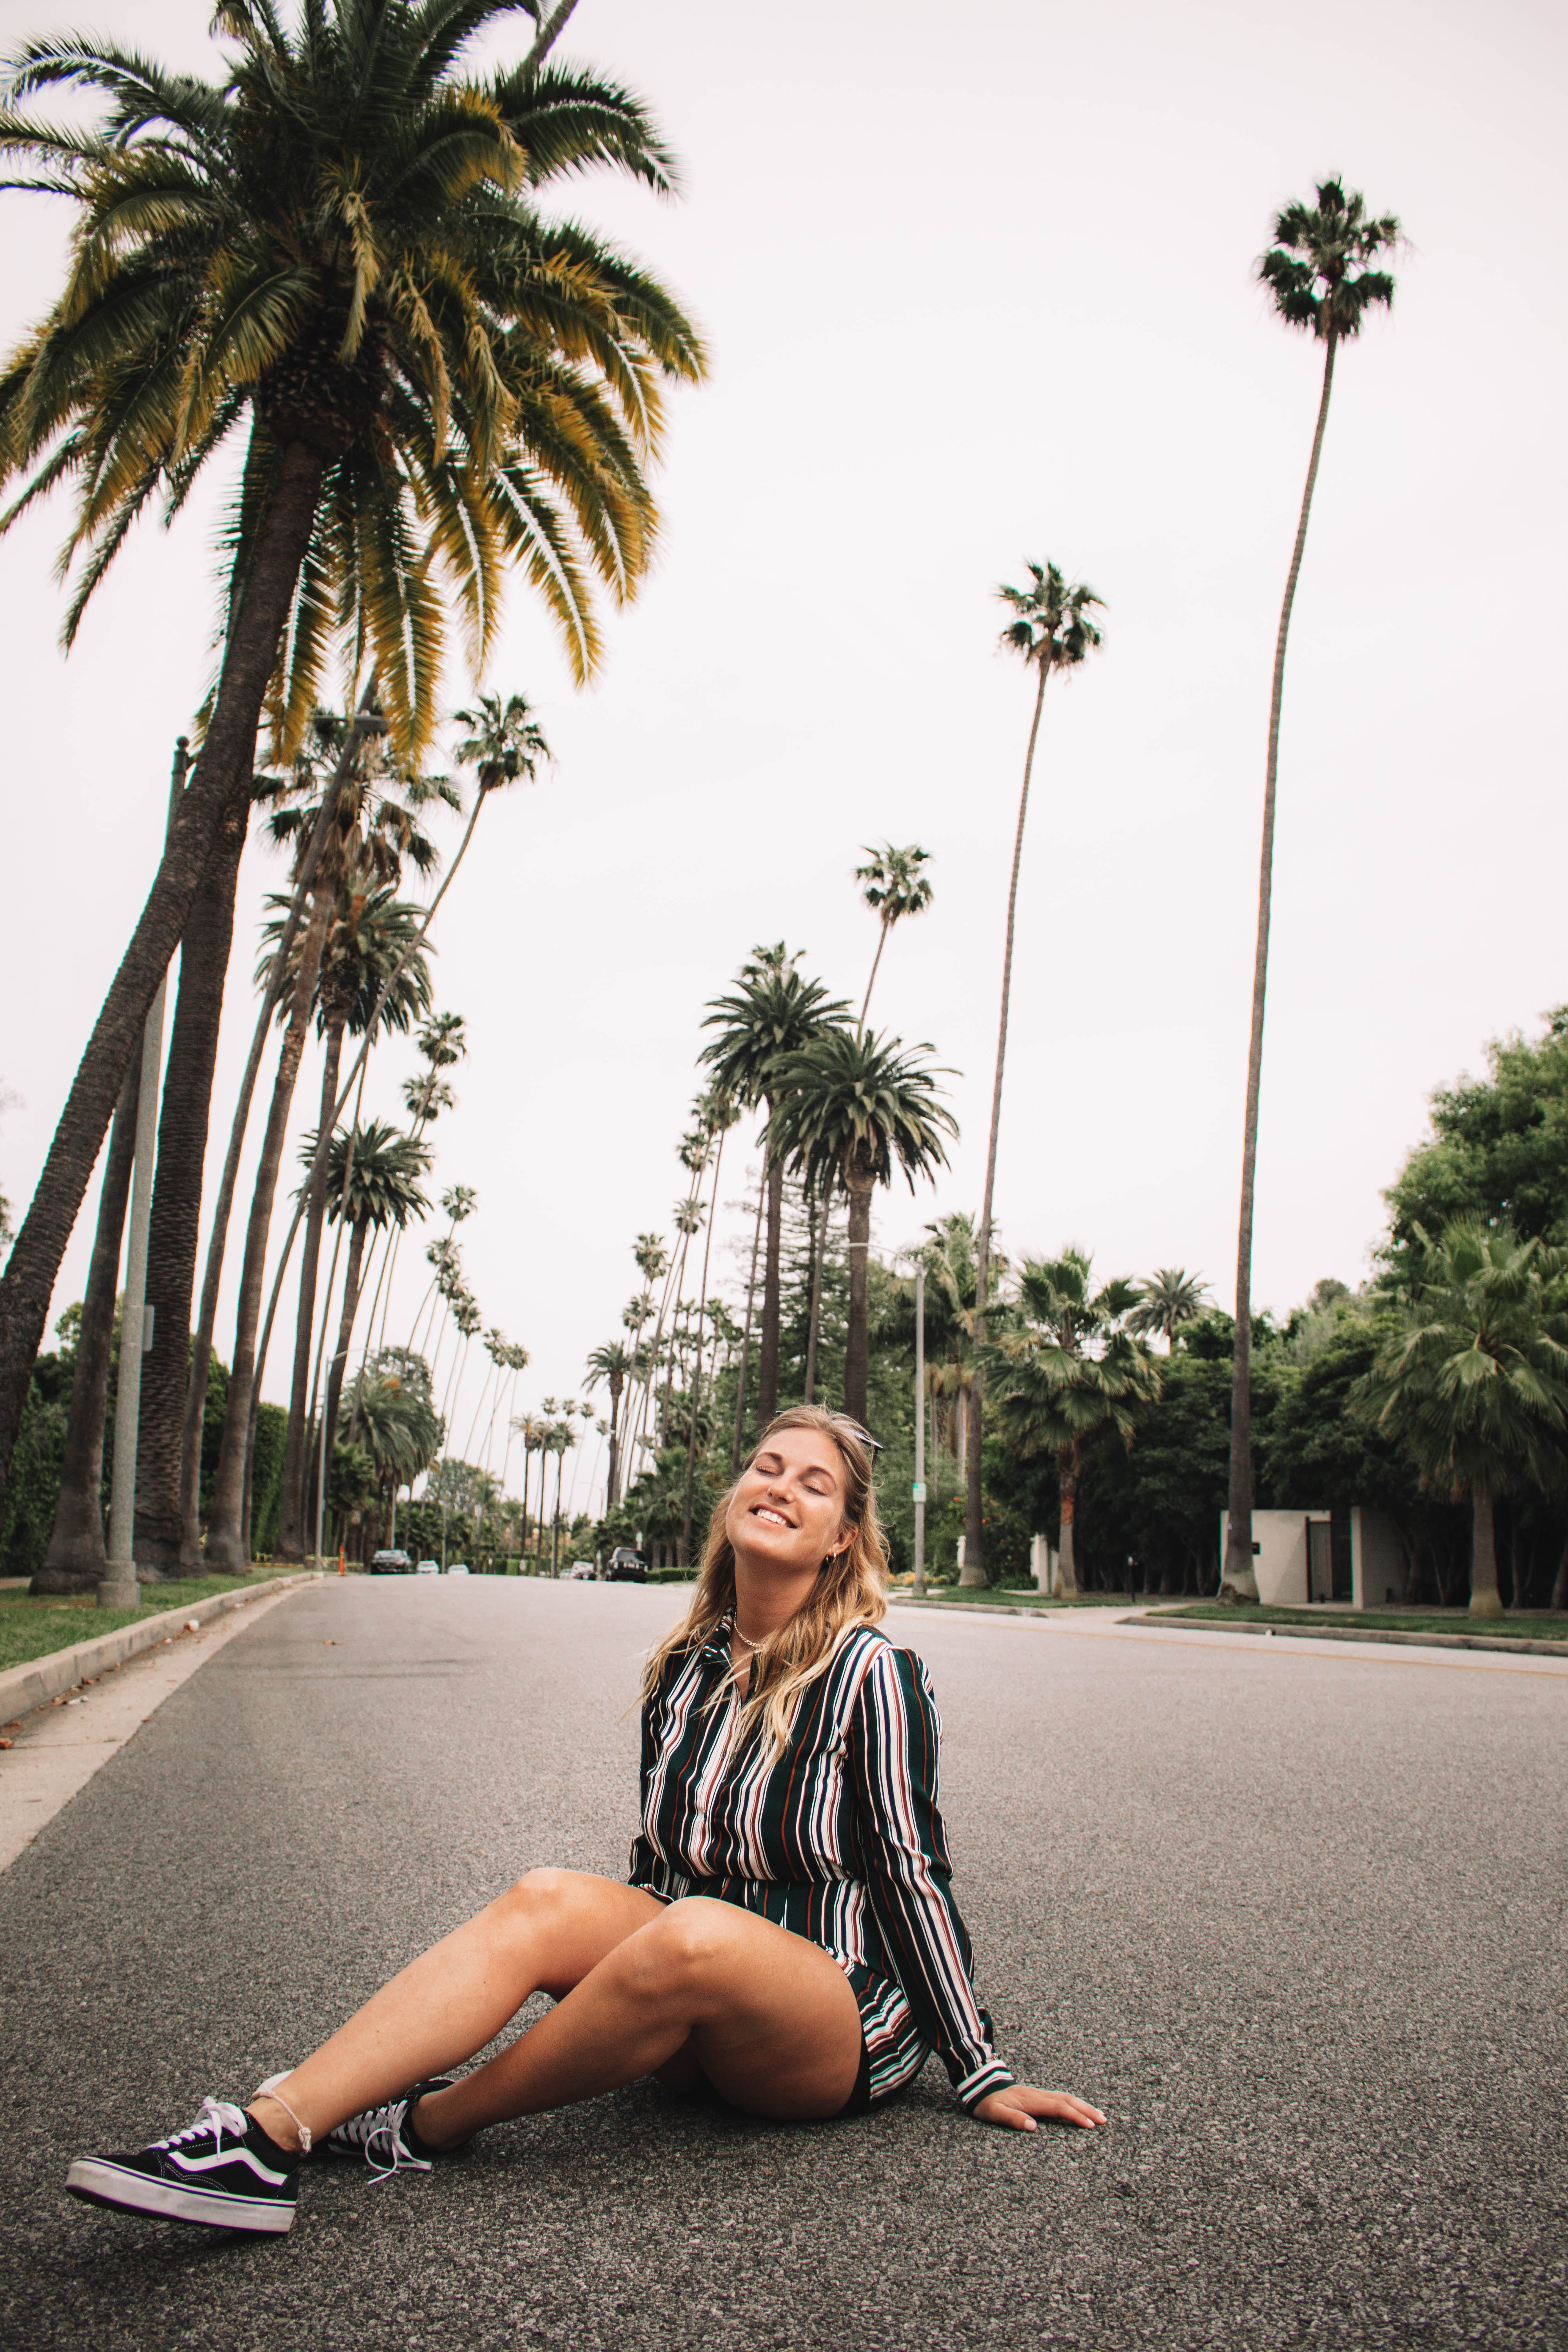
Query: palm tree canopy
(613, 1362)
(1051, 625)
(366, 945)
(401, 1429)
(384, 1182)
(506, 743)
(1170, 1297)
(1475, 1380)
(773, 1013)
(851, 1105)
(892, 882)
(1066, 1364)
(343, 234)
(1319, 266)
(380, 805)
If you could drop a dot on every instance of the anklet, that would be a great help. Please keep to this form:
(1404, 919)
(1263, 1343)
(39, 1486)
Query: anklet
(303, 2129)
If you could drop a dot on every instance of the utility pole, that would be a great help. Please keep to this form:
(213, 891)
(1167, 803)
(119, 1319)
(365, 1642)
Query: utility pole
(118, 1588)
(919, 1489)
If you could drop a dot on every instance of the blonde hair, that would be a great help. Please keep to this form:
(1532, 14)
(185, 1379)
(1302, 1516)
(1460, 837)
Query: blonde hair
(850, 1590)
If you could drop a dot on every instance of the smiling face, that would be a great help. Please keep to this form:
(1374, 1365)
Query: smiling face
(787, 1512)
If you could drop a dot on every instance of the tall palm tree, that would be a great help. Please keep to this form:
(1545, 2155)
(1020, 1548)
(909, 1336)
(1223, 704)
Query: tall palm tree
(851, 1105)
(722, 1115)
(376, 1188)
(1475, 1378)
(1170, 1297)
(1051, 630)
(614, 1363)
(76, 1557)
(368, 935)
(772, 1013)
(892, 886)
(338, 243)
(1069, 1368)
(1320, 271)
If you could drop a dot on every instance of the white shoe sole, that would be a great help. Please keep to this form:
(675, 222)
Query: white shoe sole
(97, 2182)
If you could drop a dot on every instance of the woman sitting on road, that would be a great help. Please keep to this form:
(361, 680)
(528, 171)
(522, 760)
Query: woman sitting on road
(788, 1939)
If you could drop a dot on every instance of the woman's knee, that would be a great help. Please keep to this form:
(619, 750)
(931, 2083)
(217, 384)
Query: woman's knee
(692, 1942)
(540, 1894)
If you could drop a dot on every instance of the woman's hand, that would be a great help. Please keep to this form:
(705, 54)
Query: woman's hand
(1017, 2107)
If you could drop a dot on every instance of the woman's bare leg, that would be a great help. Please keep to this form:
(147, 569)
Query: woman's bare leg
(769, 2017)
(544, 1935)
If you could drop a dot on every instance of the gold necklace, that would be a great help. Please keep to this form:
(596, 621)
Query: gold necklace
(740, 1637)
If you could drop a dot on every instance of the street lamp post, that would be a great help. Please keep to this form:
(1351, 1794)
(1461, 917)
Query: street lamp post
(118, 1586)
(920, 1583)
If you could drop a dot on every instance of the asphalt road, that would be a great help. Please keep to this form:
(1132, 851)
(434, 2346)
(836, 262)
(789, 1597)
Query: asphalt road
(1297, 1923)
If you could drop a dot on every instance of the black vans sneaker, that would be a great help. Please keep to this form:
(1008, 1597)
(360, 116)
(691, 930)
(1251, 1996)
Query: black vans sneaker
(222, 2172)
(385, 2137)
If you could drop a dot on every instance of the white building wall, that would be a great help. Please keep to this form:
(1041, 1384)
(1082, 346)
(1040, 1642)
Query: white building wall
(1280, 1563)
(1377, 1559)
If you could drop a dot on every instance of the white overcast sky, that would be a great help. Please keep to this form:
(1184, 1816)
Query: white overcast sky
(978, 287)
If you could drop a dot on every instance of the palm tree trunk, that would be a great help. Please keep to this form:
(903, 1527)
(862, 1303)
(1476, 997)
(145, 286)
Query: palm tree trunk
(1560, 1589)
(857, 1367)
(1238, 1583)
(814, 1321)
(870, 984)
(768, 1348)
(1485, 1598)
(291, 1525)
(974, 1569)
(223, 1531)
(173, 1400)
(345, 1331)
(697, 1384)
(173, 1230)
(249, 655)
(616, 1383)
(746, 1341)
(76, 1557)
(1066, 1558)
(207, 1320)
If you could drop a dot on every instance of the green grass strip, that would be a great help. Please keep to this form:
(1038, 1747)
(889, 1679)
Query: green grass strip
(33, 1625)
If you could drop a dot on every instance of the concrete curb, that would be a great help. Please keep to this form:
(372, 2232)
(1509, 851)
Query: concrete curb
(24, 1687)
(1509, 1645)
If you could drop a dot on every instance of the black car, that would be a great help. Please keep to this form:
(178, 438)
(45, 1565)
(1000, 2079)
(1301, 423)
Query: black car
(392, 1563)
(626, 1567)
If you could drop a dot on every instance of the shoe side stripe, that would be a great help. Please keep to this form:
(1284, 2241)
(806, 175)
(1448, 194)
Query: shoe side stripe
(227, 2155)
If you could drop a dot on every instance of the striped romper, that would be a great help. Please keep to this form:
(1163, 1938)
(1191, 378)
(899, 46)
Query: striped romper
(839, 1838)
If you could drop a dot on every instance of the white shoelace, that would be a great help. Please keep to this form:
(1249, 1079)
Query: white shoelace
(379, 2132)
(218, 2116)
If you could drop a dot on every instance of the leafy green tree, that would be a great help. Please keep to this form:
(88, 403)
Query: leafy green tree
(1065, 1369)
(1320, 271)
(1051, 629)
(340, 243)
(849, 1106)
(773, 1014)
(1473, 1379)
(1499, 1148)
(893, 886)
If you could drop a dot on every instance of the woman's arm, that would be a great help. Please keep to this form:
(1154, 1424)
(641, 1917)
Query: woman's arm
(893, 1765)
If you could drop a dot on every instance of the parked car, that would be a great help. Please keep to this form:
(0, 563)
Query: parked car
(626, 1567)
(429, 1568)
(391, 1563)
(582, 1571)
(459, 1568)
